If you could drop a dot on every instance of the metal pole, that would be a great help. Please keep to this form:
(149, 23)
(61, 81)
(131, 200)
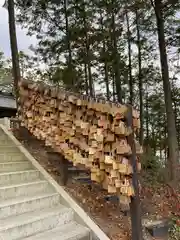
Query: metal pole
(135, 210)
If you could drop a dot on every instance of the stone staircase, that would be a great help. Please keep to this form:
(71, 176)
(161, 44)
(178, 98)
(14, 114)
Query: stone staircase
(32, 205)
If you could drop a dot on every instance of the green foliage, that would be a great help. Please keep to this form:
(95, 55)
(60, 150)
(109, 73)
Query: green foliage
(150, 161)
(174, 232)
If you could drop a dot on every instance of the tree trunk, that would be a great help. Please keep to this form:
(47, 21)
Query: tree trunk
(154, 142)
(88, 61)
(172, 137)
(116, 59)
(68, 44)
(160, 137)
(86, 78)
(106, 78)
(147, 112)
(114, 87)
(165, 154)
(140, 80)
(14, 47)
(68, 34)
(165, 137)
(178, 132)
(129, 59)
(175, 103)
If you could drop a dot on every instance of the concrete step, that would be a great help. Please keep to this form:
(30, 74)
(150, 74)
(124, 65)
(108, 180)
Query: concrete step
(20, 205)
(12, 157)
(4, 139)
(30, 207)
(28, 224)
(69, 231)
(6, 142)
(9, 149)
(15, 166)
(25, 189)
(19, 177)
(3, 136)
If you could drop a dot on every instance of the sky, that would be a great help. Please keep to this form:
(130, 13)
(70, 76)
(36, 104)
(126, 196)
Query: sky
(23, 41)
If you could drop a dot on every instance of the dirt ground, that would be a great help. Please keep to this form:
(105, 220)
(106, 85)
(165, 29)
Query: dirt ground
(157, 202)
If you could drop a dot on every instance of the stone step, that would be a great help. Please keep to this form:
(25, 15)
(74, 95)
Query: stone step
(31, 223)
(15, 166)
(69, 231)
(25, 189)
(3, 137)
(12, 157)
(19, 177)
(9, 149)
(20, 205)
(6, 142)
(30, 205)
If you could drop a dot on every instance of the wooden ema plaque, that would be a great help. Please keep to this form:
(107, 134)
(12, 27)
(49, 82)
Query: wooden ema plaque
(85, 131)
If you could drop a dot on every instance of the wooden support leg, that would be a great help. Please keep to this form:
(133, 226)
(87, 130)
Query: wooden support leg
(61, 163)
(63, 170)
(135, 208)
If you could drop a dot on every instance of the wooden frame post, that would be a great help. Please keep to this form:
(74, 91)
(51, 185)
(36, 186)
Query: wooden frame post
(135, 210)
